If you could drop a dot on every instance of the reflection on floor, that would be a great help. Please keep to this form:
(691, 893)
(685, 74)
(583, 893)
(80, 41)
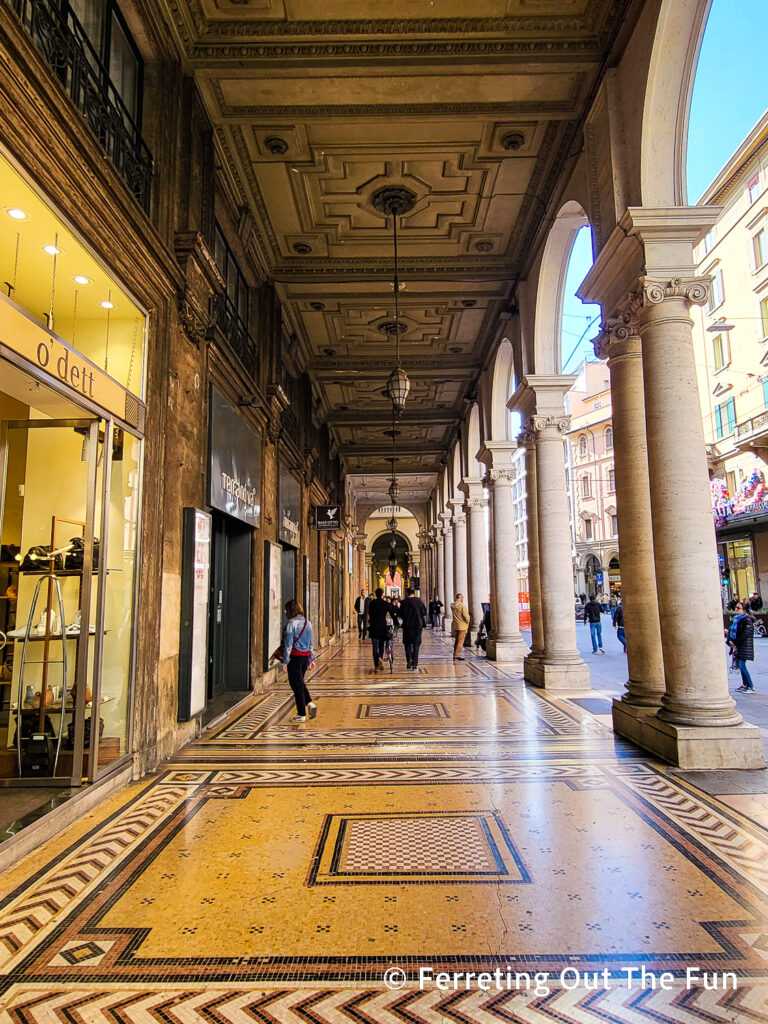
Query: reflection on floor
(450, 820)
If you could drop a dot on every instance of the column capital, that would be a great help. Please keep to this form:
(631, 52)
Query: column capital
(460, 518)
(542, 394)
(694, 290)
(537, 424)
(472, 487)
(497, 453)
(620, 336)
(502, 473)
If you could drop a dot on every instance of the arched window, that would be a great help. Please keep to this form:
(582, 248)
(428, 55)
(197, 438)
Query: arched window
(608, 439)
(583, 445)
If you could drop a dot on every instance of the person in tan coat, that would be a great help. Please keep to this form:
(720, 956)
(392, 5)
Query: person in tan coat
(459, 626)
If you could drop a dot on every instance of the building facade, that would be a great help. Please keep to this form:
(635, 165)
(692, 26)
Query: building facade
(731, 337)
(161, 442)
(593, 483)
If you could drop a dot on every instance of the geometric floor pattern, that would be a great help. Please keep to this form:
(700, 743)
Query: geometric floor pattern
(498, 851)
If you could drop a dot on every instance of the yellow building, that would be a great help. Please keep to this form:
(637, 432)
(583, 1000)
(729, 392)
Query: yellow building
(593, 482)
(731, 338)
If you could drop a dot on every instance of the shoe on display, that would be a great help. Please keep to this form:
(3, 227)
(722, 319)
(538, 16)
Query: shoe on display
(312, 709)
(299, 718)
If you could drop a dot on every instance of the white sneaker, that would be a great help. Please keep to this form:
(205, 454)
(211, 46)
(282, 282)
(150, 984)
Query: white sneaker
(312, 709)
(299, 718)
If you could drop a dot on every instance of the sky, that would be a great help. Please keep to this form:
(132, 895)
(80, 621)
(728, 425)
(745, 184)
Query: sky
(729, 97)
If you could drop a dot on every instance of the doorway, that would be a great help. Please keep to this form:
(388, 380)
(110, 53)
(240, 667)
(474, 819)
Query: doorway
(229, 644)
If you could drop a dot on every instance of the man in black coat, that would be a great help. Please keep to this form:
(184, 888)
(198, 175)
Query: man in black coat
(362, 617)
(414, 618)
(592, 612)
(378, 612)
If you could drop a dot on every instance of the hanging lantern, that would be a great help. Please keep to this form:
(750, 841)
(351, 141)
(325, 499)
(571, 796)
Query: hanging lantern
(394, 491)
(392, 565)
(398, 387)
(392, 524)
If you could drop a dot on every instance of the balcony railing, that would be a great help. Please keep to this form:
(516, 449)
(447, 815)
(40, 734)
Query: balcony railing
(237, 334)
(66, 48)
(752, 426)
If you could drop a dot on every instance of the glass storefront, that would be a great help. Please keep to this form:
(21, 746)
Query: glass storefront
(71, 414)
(740, 560)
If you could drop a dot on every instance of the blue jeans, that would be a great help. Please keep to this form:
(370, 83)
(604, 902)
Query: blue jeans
(746, 678)
(596, 632)
(378, 649)
(621, 636)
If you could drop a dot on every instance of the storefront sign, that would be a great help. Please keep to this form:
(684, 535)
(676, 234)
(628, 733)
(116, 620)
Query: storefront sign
(327, 517)
(273, 599)
(234, 479)
(289, 525)
(195, 592)
(55, 357)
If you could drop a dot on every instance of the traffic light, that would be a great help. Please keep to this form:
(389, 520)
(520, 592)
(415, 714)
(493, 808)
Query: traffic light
(725, 576)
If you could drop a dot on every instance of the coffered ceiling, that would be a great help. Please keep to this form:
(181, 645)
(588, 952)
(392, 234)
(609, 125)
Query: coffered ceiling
(475, 107)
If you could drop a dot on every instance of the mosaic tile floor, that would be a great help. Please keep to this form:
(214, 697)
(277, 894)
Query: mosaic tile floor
(451, 824)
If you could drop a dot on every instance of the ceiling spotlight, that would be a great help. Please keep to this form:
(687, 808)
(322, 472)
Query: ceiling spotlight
(81, 279)
(107, 305)
(16, 213)
(52, 250)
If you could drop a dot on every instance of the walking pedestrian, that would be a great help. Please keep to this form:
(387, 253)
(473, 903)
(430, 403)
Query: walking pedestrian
(742, 637)
(459, 626)
(297, 658)
(378, 612)
(435, 611)
(360, 608)
(414, 618)
(592, 612)
(618, 625)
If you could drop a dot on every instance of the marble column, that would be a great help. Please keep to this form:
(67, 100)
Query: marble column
(477, 556)
(560, 666)
(619, 343)
(440, 563)
(450, 594)
(460, 566)
(505, 642)
(696, 698)
(534, 578)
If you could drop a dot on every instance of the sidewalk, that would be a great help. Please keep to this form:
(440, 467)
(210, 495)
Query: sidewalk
(609, 673)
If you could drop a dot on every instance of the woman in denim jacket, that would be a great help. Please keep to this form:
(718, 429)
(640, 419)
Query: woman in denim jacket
(297, 658)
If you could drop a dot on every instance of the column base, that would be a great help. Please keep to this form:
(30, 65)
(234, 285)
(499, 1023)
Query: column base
(690, 746)
(506, 650)
(573, 676)
(447, 619)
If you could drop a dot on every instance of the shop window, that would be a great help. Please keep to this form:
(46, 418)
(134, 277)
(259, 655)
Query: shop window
(722, 351)
(608, 439)
(753, 188)
(760, 248)
(586, 486)
(611, 480)
(583, 445)
(587, 529)
(716, 292)
(725, 418)
(764, 318)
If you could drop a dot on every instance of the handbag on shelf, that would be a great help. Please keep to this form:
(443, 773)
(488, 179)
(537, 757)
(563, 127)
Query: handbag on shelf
(38, 558)
(76, 554)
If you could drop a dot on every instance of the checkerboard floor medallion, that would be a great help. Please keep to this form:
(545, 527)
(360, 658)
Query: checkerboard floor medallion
(456, 821)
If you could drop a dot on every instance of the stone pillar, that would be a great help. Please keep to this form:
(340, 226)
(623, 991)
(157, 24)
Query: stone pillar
(697, 710)
(440, 563)
(560, 665)
(448, 570)
(477, 569)
(619, 343)
(505, 642)
(534, 578)
(460, 565)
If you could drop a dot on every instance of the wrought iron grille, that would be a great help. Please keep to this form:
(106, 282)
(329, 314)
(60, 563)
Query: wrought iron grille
(237, 334)
(63, 43)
